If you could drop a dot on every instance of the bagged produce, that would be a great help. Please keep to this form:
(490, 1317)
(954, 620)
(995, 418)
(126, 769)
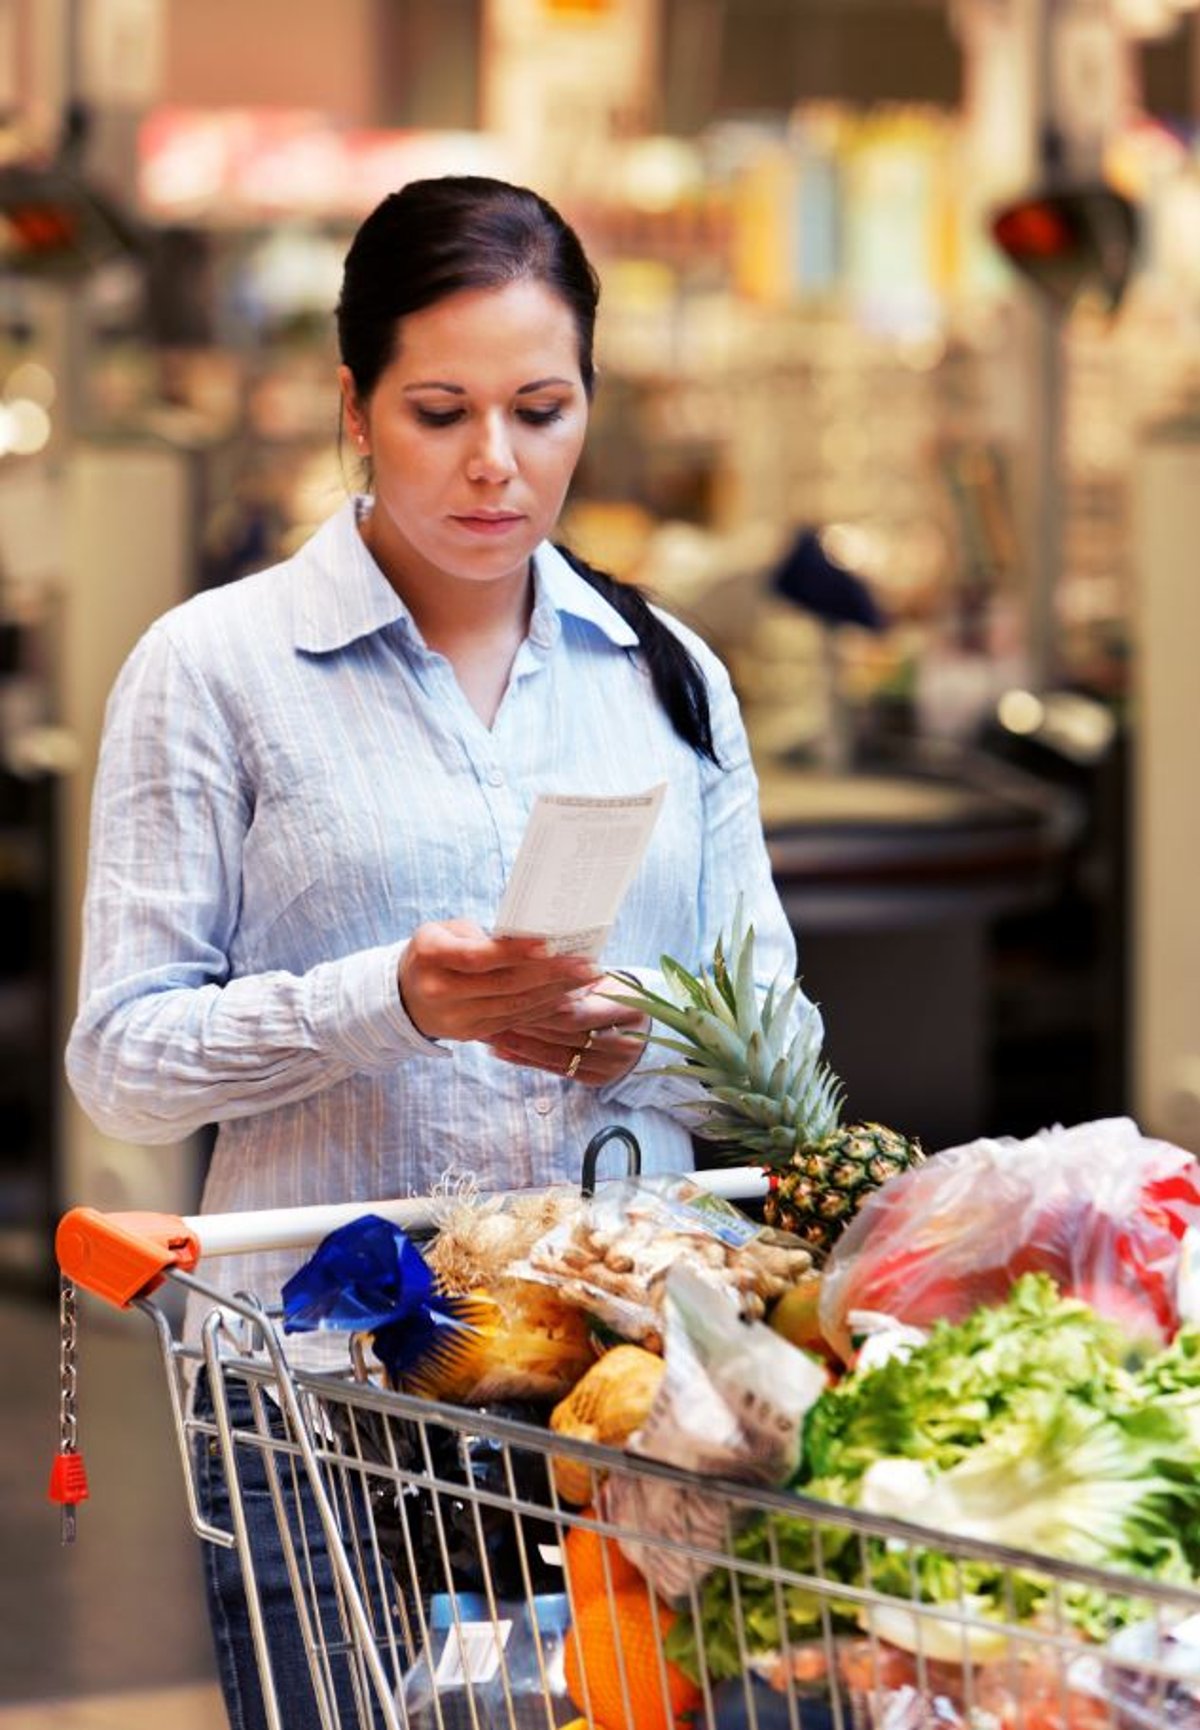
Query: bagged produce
(1099, 1207)
(612, 1258)
(617, 1670)
(730, 1404)
(606, 1405)
(480, 1236)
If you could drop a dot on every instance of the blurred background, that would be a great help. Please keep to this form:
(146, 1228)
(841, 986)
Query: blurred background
(900, 407)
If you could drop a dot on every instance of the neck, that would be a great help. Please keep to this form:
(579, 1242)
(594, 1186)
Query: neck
(478, 626)
(450, 613)
(481, 646)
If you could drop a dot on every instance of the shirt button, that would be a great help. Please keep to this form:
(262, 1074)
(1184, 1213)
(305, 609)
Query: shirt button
(543, 1106)
(495, 777)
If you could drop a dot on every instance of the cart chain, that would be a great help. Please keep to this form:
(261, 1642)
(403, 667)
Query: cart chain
(68, 1478)
(68, 1418)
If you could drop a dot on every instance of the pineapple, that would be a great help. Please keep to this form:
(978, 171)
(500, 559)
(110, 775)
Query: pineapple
(769, 1095)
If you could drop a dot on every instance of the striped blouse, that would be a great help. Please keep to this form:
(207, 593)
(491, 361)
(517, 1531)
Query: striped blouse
(289, 783)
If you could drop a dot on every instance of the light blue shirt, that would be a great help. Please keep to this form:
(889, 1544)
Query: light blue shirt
(289, 783)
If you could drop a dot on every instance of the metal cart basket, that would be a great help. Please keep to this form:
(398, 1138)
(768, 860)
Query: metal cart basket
(467, 1592)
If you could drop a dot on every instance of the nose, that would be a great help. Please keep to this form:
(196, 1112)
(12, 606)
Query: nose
(492, 458)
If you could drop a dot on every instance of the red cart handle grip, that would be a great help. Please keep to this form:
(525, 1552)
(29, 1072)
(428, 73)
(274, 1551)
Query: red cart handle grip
(123, 1256)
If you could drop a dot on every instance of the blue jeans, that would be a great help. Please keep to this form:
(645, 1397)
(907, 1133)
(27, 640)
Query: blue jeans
(228, 1611)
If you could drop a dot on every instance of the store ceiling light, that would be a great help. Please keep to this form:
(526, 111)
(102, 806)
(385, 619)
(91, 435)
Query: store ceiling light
(24, 428)
(1152, 20)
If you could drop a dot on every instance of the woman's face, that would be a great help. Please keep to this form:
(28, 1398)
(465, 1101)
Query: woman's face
(473, 432)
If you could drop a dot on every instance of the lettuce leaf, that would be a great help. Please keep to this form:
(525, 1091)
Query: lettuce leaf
(1008, 1364)
(1036, 1426)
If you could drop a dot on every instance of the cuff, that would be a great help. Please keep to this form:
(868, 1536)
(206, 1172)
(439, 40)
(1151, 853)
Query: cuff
(361, 1012)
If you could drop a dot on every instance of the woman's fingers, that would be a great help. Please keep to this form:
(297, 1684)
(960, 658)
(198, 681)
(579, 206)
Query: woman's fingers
(457, 982)
(574, 1017)
(594, 1056)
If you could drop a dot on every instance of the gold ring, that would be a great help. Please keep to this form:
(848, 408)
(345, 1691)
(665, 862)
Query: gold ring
(576, 1060)
(590, 1040)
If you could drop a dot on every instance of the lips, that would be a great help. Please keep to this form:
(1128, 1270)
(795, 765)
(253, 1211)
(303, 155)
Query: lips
(485, 523)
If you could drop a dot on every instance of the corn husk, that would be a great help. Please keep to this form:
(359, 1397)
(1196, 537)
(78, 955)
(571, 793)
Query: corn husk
(479, 1237)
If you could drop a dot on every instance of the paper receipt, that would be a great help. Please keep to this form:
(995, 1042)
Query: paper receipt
(576, 860)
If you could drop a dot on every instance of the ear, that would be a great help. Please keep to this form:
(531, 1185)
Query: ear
(353, 414)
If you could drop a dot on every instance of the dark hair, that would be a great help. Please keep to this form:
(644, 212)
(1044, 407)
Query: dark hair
(438, 237)
(678, 682)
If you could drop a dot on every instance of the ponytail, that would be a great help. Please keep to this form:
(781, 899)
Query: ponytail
(678, 682)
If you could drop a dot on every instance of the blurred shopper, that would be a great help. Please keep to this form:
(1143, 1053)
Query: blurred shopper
(313, 783)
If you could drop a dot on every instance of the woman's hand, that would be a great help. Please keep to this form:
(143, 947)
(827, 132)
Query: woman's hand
(457, 982)
(587, 1037)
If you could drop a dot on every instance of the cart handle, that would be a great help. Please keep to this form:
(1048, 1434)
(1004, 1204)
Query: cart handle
(123, 1256)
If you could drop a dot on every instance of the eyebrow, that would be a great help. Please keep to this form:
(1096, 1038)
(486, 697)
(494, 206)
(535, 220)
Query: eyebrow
(458, 390)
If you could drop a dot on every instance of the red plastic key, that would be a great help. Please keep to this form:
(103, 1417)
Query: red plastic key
(68, 1487)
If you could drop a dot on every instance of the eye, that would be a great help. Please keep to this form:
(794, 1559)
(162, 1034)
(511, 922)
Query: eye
(437, 417)
(540, 416)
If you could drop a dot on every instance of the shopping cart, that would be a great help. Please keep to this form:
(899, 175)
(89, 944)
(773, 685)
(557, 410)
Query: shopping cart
(468, 1592)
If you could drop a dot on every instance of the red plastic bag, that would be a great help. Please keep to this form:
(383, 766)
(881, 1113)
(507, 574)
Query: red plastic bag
(1099, 1207)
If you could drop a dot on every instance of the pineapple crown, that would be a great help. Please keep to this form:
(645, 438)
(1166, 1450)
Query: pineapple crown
(767, 1088)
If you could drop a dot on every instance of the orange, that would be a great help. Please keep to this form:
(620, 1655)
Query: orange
(595, 1565)
(658, 1691)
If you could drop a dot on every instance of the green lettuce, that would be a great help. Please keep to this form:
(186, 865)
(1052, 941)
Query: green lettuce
(1035, 1427)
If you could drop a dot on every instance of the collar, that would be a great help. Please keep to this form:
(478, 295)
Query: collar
(343, 595)
(559, 589)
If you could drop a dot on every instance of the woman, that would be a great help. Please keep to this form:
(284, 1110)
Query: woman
(313, 782)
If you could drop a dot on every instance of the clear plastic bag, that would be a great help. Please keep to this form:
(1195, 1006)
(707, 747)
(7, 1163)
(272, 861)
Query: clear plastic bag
(870, 1685)
(731, 1404)
(613, 1257)
(480, 1671)
(1152, 1676)
(1099, 1207)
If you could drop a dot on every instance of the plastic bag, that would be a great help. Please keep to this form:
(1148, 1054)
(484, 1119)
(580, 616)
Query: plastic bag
(436, 1539)
(1152, 1676)
(730, 1404)
(867, 1682)
(1099, 1207)
(367, 1275)
(480, 1671)
(613, 1257)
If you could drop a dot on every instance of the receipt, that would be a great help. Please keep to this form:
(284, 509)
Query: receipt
(576, 860)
